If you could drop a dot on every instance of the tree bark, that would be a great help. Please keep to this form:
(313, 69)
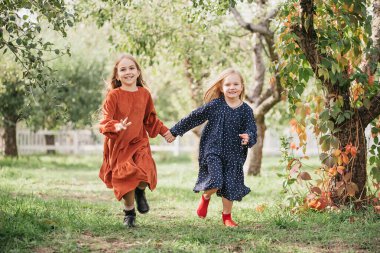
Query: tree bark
(355, 134)
(50, 143)
(9, 137)
(256, 155)
(261, 100)
(351, 130)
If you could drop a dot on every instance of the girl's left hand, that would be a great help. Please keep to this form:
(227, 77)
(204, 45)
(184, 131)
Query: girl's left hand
(244, 139)
(169, 137)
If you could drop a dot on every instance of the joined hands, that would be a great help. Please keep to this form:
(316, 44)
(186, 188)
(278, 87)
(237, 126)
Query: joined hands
(169, 137)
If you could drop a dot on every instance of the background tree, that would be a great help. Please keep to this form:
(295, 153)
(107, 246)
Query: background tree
(21, 24)
(71, 98)
(12, 102)
(80, 83)
(261, 96)
(331, 41)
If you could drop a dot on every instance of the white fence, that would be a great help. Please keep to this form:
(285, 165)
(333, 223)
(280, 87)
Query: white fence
(91, 142)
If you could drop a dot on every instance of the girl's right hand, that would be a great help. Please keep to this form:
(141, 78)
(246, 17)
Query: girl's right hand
(122, 125)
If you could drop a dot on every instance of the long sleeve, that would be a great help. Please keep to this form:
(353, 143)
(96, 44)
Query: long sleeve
(195, 118)
(151, 122)
(251, 128)
(107, 124)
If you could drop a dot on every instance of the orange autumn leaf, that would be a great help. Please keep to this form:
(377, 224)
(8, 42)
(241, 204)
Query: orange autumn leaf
(316, 189)
(332, 172)
(260, 208)
(352, 188)
(337, 152)
(340, 169)
(371, 80)
(345, 158)
(347, 149)
(304, 176)
(293, 145)
(353, 151)
(318, 204)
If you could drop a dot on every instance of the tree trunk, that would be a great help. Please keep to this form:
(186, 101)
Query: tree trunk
(50, 143)
(9, 137)
(358, 165)
(256, 155)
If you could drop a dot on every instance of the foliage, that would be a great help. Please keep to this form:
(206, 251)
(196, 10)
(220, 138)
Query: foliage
(12, 92)
(147, 32)
(342, 30)
(21, 27)
(79, 82)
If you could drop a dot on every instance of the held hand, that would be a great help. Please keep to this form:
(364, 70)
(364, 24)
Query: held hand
(169, 137)
(122, 125)
(244, 139)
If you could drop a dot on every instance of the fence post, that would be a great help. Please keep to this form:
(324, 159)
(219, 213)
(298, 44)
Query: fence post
(75, 142)
(176, 147)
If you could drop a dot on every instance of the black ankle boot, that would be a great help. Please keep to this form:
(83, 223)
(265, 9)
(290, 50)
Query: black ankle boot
(130, 218)
(142, 203)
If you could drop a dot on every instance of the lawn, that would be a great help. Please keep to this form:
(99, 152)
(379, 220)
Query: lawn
(58, 204)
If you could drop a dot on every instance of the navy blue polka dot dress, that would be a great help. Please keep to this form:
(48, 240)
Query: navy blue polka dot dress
(221, 155)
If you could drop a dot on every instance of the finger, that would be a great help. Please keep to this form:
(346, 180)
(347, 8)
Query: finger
(128, 124)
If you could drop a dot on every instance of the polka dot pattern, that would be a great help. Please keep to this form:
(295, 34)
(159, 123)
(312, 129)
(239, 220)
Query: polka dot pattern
(221, 155)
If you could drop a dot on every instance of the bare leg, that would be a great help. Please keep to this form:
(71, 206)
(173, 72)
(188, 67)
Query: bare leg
(129, 200)
(129, 210)
(227, 206)
(142, 185)
(207, 194)
(226, 215)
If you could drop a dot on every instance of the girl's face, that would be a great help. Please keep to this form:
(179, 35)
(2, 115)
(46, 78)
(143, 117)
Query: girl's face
(127, 72)
(232, 86)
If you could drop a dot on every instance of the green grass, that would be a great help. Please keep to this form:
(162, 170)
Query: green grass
(58, 204)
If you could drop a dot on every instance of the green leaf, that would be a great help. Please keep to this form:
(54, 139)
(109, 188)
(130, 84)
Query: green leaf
(375, 173)
(340, 119)
(330, 125)
(372, 160)
(325, 145)
(324, 115)
(334, 142)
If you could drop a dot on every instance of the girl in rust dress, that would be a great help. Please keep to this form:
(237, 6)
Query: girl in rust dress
(129, 118)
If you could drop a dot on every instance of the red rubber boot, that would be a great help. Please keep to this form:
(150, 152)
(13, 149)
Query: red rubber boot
(202, 207)
(227, 220)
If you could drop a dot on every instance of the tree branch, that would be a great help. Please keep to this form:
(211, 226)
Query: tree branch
(195, 85)
(258, 70)
(267, 104)
(249, 26)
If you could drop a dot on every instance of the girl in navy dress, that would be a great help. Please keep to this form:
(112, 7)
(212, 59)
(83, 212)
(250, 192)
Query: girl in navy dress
(230, 131)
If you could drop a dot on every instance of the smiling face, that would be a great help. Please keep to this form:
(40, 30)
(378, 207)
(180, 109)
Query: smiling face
(127, 72)
(232, 86)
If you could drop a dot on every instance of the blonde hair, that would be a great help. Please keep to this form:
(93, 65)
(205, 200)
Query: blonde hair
(114, 83)
(215, 90)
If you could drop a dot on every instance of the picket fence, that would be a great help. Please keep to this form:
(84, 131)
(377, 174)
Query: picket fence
(91, 142)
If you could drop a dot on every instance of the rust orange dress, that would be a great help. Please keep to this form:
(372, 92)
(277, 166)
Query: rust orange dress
(127, 158)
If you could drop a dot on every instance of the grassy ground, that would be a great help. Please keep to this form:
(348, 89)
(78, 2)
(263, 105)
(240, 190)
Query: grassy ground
(58, 204)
